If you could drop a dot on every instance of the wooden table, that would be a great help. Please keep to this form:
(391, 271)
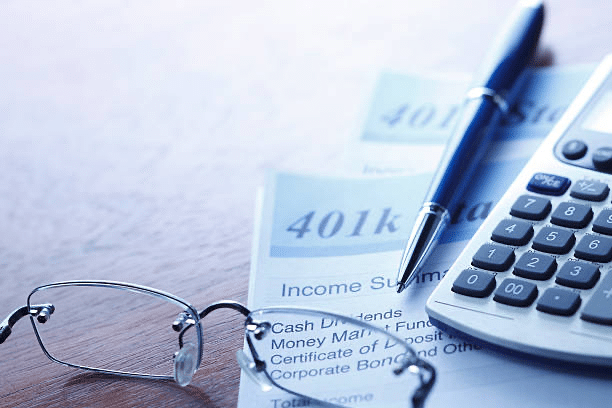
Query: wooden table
(133, 140)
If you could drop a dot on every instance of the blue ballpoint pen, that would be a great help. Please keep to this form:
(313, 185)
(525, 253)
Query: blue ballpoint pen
(484, 104)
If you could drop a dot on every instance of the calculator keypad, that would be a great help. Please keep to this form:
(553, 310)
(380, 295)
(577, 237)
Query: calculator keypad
(541, 243)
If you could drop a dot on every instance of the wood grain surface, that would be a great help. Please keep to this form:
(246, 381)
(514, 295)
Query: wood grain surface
(134, 135)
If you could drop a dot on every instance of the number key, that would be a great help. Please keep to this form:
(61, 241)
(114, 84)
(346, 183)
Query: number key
(494, 257)
(531, 208)
(603, 222)
(512, 232)
(596, 248)
(474, 283)
(537, 266)
(578, 274)
(516, 292)
(572, 215)
(554, 240)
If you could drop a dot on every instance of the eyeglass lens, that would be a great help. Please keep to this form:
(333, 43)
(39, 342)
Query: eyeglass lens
(105, 328)
(331, 359)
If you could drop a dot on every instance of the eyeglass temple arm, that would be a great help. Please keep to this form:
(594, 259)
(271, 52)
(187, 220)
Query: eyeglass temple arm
(421, 393)
(42, 313)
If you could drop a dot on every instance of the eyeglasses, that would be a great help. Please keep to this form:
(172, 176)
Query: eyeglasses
(304, 356)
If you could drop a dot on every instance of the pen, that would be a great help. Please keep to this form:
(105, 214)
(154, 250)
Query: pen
(483, 106)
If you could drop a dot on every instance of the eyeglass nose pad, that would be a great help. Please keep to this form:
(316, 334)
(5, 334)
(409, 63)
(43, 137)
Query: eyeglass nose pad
(250, 368)
(185, 361)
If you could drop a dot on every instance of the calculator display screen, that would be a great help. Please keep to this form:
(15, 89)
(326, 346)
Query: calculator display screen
(600, 117)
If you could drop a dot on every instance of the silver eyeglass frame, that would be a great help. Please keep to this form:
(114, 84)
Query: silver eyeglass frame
(121, 286)
(190, 319)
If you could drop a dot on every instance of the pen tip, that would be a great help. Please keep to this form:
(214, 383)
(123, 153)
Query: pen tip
(400, 287)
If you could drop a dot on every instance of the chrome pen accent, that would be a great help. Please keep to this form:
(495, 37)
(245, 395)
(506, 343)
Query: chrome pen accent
(497, 99)
(430, 222)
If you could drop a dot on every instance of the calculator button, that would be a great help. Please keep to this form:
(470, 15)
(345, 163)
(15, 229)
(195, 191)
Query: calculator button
(548, 184)
(474, 283)
(596, 248)
(559, 301)
(574, 150)
(537, 266)
(531, 208)
(603, 222)
(578, 274)
(602, 158)
(516, 292)
(554, 240)
(599, 308)
(512, 232)
(494, 257)
(590, 190)
(572, 215)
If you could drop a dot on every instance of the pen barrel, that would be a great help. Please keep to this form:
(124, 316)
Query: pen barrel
(512, 48)
(464, 150)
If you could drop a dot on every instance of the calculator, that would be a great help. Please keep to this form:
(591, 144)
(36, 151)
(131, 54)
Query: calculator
(537, 276)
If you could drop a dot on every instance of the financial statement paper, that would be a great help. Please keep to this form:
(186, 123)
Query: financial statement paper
(334, 243)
